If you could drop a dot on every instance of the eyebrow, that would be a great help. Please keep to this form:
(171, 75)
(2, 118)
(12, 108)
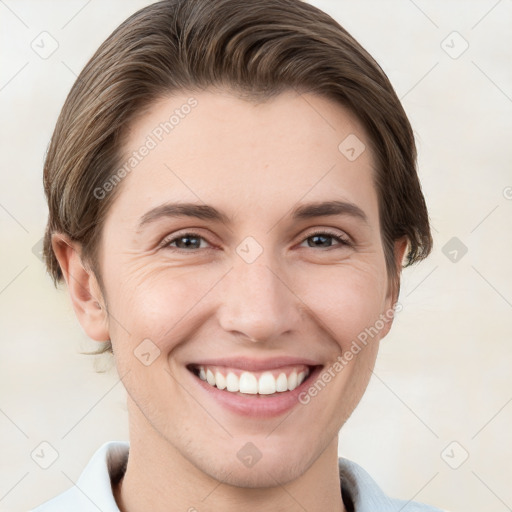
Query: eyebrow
(207, 212)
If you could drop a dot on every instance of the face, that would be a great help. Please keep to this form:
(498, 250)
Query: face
(252, 285)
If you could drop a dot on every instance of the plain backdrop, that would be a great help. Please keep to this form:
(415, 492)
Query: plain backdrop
(435, 423)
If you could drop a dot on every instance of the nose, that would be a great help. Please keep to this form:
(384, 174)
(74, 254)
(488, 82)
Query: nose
(257, 303)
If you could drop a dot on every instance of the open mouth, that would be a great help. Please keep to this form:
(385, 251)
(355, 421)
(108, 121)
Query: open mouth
(266, 383)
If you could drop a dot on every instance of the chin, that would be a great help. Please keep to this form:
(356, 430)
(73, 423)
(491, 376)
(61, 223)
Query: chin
(267, 468)
(263, 474)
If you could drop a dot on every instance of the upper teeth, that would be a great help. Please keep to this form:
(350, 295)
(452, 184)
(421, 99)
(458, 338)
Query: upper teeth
(265, 383)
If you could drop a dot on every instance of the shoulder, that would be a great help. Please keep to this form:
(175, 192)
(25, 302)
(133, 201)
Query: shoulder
(367, 496)
(93, 489)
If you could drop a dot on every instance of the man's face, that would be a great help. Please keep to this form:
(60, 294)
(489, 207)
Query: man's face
(260, 289)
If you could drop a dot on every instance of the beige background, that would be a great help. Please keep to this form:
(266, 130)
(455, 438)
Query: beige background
(444, 373)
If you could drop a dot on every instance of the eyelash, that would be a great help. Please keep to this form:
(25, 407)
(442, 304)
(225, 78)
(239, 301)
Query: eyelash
(343, 240)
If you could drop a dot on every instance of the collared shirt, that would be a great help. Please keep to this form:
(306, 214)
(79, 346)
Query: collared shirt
(93, 490)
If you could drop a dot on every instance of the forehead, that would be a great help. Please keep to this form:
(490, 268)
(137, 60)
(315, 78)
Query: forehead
(211, 147)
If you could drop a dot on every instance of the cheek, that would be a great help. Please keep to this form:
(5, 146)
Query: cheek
(158, 303)
(346, 300)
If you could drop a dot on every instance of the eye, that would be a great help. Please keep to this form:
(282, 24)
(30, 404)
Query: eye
(190, 241)
(184, 241)
(321, 239)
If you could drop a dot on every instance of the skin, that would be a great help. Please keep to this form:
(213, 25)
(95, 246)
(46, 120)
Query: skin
(298, 298)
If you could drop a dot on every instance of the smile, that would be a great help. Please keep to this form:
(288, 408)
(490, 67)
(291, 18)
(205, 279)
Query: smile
(258, 389)
(245, 382)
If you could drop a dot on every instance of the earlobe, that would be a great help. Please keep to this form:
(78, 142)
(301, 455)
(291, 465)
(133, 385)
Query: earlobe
(85, 293)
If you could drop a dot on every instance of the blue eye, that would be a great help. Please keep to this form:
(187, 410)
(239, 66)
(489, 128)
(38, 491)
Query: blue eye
(321, 237)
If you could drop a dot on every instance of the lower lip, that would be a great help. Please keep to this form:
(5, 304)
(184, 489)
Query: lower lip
(261, 406)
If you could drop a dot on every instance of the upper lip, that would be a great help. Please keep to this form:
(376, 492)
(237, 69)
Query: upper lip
(250, 364)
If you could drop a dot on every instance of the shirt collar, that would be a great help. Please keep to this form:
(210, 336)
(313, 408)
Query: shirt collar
(107, 464)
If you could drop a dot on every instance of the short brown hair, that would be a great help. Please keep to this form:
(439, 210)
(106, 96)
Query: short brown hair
(255, 49)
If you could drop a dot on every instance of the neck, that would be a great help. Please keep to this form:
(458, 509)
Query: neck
(160, 478)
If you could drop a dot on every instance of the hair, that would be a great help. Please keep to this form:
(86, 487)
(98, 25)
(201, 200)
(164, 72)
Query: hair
(253, 49)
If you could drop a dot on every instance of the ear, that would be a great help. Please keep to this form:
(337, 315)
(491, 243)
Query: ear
(400, 248)
(84, 290)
